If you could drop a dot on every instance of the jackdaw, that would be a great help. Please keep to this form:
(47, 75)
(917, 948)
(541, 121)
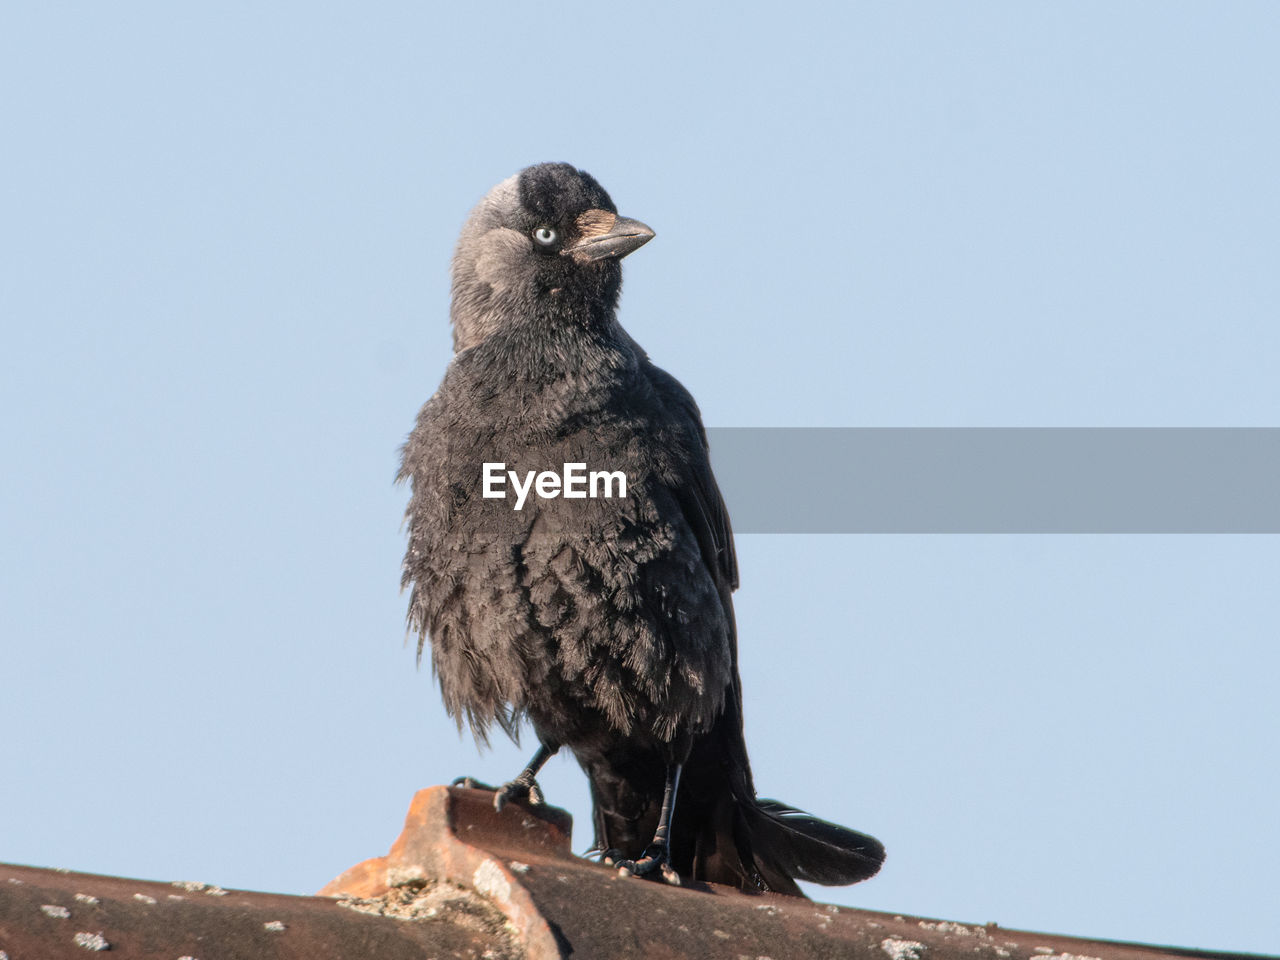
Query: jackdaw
(595, 604)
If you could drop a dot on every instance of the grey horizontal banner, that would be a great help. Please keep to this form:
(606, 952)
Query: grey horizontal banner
(999, 480)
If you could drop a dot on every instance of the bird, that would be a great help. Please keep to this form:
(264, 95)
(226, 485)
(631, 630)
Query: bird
(599, 613)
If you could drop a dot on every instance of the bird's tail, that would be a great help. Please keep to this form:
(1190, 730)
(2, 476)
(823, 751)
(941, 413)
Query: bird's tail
(723, 833)
(777, 845)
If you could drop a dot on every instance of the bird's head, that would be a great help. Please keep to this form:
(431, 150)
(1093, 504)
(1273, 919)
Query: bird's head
(543, 245)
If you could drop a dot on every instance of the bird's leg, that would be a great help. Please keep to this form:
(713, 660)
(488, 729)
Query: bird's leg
(657, 853)
(599, 848)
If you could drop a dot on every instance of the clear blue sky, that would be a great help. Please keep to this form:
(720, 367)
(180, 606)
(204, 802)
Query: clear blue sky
(224, 240)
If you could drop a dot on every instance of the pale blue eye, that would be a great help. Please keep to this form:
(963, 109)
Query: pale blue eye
(545, 236)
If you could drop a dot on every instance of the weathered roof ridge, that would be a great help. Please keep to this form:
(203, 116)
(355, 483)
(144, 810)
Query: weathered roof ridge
(465, 880)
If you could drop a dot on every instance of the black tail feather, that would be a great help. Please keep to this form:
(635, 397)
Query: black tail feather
(789, 843)
(755, 845)
(721, 832)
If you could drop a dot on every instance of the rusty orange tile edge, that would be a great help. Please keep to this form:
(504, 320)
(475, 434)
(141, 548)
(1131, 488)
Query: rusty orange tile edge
(429, 849)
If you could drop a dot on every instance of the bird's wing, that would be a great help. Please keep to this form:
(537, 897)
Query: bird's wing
(704, 509)
(700, 499)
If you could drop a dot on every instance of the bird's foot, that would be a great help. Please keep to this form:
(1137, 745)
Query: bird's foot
(654, 860)
(521, 788)
(610, 857)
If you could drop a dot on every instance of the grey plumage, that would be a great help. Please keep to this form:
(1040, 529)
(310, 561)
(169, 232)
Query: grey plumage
(606, 622)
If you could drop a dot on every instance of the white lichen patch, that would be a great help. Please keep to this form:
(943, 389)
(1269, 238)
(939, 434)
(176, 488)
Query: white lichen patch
(419, 902)
(518, 867)
(143, 898)
(91, 941)
(946, 926)
(195, 886)
(899, 949)
(769, 908)
(439, 902)
(489, 881)
(86, 898)
(55, 911)
(373, 906)
(275, 926)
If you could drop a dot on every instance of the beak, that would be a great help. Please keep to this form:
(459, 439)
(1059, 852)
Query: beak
(624, 236)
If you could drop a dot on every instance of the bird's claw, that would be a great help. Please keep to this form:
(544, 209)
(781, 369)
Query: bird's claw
(655, 858)
(518, 789)
(637, 868)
